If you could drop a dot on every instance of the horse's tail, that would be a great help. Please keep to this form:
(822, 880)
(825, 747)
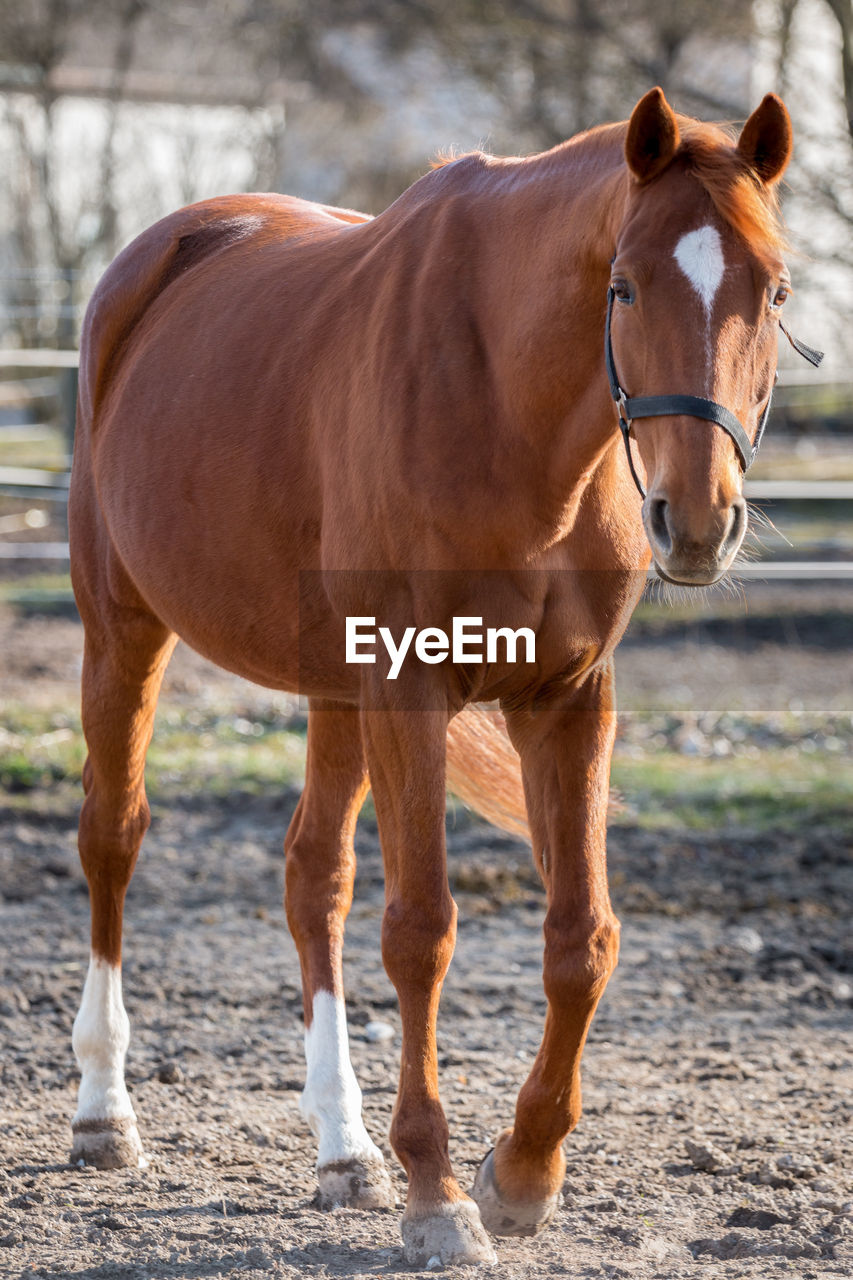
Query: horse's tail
(484, 771)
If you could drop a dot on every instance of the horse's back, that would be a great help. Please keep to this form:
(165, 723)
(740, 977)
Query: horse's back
(169, 249)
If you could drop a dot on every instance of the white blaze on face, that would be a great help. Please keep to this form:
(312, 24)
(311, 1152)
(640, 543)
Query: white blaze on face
(100, 1038)
(331, 1099)
(699, 254)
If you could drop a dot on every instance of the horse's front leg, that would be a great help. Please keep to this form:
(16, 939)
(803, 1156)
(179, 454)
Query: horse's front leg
(406, 759)
(565, 753)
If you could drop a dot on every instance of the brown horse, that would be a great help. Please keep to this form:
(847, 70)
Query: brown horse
(292, 415)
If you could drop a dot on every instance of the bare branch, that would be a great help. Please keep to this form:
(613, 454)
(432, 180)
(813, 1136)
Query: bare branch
(842, 11)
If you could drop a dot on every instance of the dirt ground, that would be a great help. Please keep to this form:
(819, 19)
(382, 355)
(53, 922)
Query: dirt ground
(715, 1140)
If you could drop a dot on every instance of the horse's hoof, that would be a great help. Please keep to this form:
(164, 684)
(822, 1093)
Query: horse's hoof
(454, 1234)
(509, 1217)
(107, 1144)
(355, 1184)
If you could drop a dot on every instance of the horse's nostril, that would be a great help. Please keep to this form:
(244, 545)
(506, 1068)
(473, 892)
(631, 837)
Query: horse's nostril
(659, 524)
(737, 526)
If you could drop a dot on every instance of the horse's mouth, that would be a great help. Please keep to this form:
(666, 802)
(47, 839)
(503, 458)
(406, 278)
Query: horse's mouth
(692, 578)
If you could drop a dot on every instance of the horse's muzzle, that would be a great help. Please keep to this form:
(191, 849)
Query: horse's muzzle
(693, 548)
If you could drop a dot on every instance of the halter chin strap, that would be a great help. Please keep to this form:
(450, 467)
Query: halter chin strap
(692, 406)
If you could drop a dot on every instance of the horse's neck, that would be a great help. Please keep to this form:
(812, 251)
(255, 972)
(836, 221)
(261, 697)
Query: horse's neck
(570, 206)
(510, 288)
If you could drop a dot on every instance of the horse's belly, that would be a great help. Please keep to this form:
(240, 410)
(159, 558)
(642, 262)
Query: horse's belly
(220, 558)
(252, 625)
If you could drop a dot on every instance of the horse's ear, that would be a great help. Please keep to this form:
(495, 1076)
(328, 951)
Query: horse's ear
(767, 139)
(652, 138)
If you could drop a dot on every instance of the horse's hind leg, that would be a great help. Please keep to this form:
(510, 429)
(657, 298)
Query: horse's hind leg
(125, 656)
(319, 884)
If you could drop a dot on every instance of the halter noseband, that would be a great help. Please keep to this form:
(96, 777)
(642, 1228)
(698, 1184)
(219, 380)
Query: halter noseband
(692, 406)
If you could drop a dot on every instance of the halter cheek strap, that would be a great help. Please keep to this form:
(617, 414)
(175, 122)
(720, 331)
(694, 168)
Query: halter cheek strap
(692, 406)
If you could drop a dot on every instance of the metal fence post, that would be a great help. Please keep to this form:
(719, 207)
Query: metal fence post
(68, 405)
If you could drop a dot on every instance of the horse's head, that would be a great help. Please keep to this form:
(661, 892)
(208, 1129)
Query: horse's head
(697, 285)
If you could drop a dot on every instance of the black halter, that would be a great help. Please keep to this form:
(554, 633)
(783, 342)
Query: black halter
(692, 406)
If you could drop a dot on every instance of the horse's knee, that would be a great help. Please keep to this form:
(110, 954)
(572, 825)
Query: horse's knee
(579, 960)
(418, 940)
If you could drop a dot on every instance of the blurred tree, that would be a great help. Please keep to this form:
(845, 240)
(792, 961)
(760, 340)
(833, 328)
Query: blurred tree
(83, 172)
(821, 177)
(48, 232)
(842, 11)
(559, 65)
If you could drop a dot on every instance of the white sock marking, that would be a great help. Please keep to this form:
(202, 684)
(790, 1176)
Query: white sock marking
(700, 255)
(100, 1038)
(331, 1099)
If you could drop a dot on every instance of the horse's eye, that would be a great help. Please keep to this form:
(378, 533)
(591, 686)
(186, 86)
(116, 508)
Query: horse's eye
(780, 295)
(623, 291)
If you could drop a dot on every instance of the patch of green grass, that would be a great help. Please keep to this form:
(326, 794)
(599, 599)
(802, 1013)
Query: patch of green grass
(33, 448)
(38, 749)
(777, 789)
(230, 754)
(191, 752)
(57, 583)
(216, 753)
(43, 594)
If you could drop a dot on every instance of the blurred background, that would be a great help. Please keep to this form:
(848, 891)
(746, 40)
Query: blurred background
(114, 112)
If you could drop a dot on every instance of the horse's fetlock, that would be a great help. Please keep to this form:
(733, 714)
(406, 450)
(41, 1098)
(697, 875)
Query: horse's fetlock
(419, 1132)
